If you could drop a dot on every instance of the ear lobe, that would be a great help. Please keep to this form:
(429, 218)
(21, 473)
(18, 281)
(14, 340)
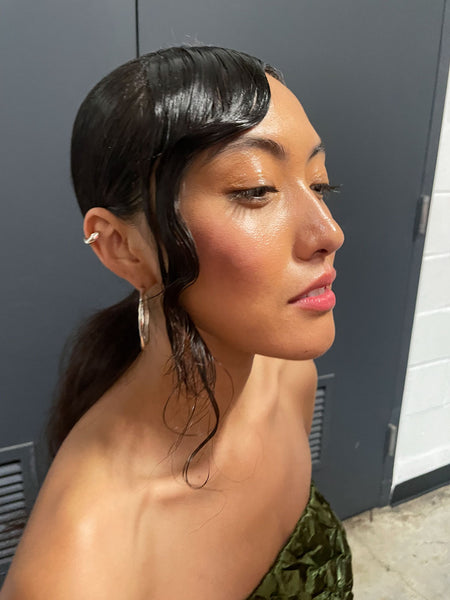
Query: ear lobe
(119, 249)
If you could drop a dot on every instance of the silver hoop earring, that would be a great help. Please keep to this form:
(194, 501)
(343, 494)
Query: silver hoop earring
(143, 319)
(92, 238)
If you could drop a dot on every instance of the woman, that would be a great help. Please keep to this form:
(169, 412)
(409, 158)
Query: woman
(183, 464)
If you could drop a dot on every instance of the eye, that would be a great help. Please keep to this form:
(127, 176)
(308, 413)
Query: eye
(325, 188)
(255, 195)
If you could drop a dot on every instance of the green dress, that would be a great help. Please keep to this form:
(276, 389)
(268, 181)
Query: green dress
(315, 563)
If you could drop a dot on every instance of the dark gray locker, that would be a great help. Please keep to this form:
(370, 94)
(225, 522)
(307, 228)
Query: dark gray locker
(51, 54)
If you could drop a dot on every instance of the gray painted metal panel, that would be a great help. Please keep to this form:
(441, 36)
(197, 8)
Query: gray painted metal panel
(418, 244)
(365, 72)
(51, 53)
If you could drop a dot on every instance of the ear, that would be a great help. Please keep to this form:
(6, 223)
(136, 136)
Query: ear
(126, 248)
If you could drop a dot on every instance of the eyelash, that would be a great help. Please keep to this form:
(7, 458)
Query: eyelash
(325, 188)
(258, 193)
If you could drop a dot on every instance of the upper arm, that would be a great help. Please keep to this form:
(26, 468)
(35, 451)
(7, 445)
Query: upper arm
(65, 549)
(50, 561)
(300, 378)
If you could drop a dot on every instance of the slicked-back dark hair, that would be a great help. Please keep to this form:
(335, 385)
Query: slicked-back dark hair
(133, 139)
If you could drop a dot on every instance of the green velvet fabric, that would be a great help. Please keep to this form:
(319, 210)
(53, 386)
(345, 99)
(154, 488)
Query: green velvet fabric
(315, 563)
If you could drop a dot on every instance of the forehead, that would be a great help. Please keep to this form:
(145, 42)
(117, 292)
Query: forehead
(284, 132)
(286, 116)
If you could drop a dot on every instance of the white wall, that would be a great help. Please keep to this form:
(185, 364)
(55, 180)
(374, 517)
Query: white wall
(424, 432)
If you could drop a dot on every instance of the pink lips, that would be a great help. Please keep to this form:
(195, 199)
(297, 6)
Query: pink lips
(322, 302)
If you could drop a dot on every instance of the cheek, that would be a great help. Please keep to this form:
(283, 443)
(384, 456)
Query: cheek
(224, 254)
(243, 252)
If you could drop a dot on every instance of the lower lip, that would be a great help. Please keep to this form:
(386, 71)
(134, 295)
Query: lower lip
(325, 301)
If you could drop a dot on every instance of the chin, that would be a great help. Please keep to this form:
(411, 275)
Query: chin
(304, 352)
(307, 354)
(317, 343)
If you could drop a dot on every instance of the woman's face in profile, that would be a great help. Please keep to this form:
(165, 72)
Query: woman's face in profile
(263, 235)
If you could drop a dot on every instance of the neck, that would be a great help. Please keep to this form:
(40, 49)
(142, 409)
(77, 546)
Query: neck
(148, 397)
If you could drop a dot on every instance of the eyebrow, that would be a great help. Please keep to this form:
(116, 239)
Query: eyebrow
(266, 144)
(319, 148)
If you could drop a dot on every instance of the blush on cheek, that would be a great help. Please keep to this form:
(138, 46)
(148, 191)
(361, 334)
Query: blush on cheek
(229, 254)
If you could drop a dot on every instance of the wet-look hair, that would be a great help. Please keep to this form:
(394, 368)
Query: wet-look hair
(133, 139)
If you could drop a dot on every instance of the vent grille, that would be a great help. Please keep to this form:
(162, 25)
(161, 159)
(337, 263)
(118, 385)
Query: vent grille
(319, 437)
(316, 435)
(12, 508)
(18, 489)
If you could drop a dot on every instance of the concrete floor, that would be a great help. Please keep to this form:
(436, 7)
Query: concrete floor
(403, 553)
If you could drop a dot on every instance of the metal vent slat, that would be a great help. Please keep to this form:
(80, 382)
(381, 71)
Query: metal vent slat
(18, 514)
(7, 534)
(11, 507)
(11, 543)
(8, 498)
(10, 468)
(318, 411)
(11, 479)
(10, 489)
(7, 553)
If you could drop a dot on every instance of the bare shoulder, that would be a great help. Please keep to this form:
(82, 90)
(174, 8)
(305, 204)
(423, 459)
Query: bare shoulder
(298, 380)
(69, 549)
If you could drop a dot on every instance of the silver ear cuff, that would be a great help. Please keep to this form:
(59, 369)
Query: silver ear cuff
(92, 238)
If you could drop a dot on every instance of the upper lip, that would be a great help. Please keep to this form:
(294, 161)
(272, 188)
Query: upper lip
(323, 280)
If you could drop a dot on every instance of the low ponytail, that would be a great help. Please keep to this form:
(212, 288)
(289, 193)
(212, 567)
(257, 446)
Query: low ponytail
(95, 357)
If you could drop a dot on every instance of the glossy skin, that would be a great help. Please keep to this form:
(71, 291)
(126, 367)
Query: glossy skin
(114, 518)
(256, 253)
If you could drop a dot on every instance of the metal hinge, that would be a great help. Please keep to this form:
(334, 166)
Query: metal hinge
(424, 209)
(392, 439)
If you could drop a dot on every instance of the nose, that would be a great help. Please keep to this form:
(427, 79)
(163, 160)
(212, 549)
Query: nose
(317, 232)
